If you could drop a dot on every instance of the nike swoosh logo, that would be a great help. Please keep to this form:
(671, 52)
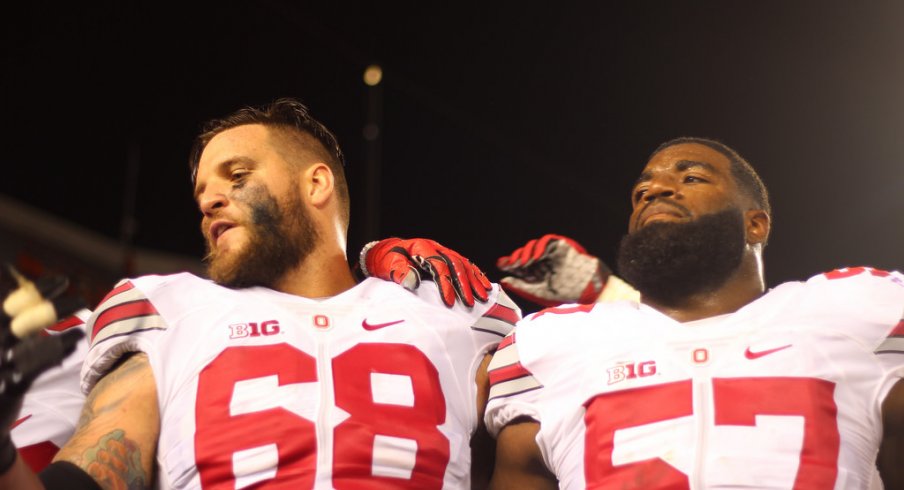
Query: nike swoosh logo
(19, 422)
(377, 326)
(749, 354)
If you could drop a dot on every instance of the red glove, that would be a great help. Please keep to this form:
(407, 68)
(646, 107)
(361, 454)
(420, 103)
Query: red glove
(404, 261)
(552, 270)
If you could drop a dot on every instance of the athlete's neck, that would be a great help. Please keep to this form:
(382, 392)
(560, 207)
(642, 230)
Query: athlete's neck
(322, 274)
(745, 285)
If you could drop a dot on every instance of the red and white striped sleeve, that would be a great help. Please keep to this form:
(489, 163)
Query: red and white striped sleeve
(500, 318)
(509, 377)
(121, 324)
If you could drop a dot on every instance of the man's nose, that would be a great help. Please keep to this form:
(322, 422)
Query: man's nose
(211, 200)
(660, 187)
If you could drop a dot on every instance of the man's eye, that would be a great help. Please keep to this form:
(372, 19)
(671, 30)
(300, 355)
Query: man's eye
(638, 194)
(693, 178)
(239, 176)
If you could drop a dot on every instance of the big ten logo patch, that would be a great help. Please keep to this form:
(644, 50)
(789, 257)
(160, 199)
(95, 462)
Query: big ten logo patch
(630, 370)
(253, 329)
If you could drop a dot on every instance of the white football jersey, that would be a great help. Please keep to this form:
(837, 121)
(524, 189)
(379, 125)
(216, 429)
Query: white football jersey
(52, 405)
(372, 388)
(784, 393)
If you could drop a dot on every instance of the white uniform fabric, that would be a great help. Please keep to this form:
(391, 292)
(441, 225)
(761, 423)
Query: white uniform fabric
(371, 388)
(784, 393)
(51, 408)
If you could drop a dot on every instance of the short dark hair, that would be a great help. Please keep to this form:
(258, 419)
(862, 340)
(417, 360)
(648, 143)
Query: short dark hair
(284, 113)
(744, 174)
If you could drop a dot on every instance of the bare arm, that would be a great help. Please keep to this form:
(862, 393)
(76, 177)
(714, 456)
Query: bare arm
(116, 438)
(483, 447)
(891, 452)
(519, 463)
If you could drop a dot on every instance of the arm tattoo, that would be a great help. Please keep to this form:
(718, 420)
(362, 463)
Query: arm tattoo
(114, 461)
(126, 368)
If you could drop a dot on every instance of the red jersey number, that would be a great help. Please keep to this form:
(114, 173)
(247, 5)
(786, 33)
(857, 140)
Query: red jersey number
(221, 433)
(737, 401)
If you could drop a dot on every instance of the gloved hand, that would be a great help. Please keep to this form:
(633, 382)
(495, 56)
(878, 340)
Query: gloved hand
(28, 307)
(405, 261)
(553, 270)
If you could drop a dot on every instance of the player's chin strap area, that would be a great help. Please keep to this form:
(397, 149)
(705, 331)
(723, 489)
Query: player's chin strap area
(63, 475)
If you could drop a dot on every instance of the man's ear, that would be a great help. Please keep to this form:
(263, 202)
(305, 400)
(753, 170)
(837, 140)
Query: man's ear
(320, 184)
(757, 225)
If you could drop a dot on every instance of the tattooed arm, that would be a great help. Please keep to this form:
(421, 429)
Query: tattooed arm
(116, 438)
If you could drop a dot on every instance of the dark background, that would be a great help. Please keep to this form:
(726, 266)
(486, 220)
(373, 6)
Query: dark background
(501, 121)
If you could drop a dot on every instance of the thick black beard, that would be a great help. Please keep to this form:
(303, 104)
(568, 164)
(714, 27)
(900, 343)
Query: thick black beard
(279, 239)
(670, 262)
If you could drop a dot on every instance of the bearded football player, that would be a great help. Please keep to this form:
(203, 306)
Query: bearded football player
(282, 371)
(710, 380)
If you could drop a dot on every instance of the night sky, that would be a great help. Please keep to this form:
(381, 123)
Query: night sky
(501, 121)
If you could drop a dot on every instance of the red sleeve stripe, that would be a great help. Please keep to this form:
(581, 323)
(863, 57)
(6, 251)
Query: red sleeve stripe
(124, 311)
(503, 313)
(66, 323)
(507, 341)
(120, 288)
(898, 331)
(507, 373)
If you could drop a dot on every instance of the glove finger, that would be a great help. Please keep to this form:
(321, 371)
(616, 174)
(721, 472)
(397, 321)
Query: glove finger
(508, 261)
(410, 280)
(527, 253)
(544, 244)
(461, 282)
(397, 267)
(439, 271)
(479, 283)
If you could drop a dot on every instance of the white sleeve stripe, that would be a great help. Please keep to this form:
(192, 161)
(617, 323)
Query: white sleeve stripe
(127, 296)
(505, 357)
(129, 325)
(891, 345)
(130, 332)
(514, 387)
(493, 326)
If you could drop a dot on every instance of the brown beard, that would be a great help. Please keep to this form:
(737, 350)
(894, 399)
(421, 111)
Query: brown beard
(280, 238)
(669, 262)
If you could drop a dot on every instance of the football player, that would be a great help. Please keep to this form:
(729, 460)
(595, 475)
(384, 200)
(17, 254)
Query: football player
(710, 381)
(282, 371)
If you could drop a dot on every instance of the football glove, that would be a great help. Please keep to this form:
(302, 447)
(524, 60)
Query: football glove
(407, 261)
(552, 270)
(29, 307)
